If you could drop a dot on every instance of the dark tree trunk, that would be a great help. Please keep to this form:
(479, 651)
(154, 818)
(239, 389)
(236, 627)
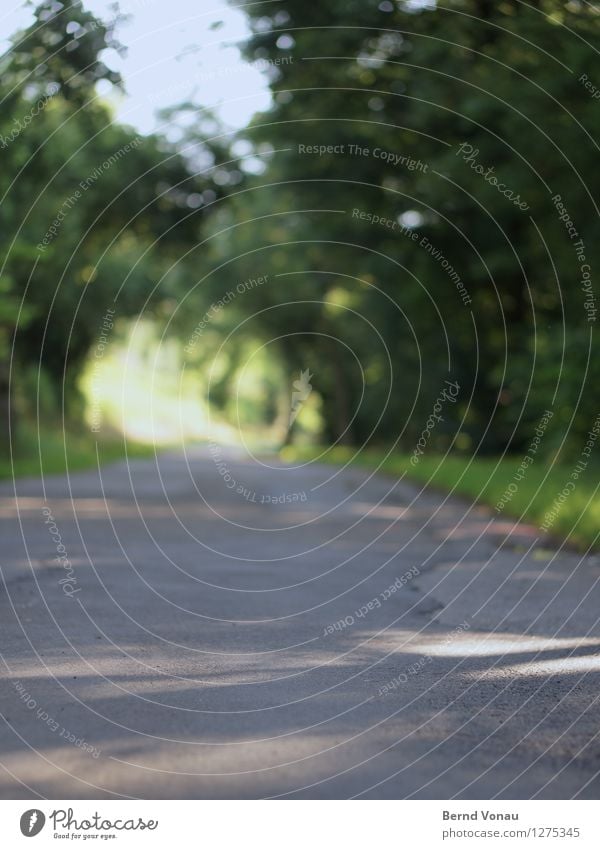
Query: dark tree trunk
(5, 410)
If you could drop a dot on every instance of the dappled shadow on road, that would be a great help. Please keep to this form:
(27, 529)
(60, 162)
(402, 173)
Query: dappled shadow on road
(442, 703)
(398, 645)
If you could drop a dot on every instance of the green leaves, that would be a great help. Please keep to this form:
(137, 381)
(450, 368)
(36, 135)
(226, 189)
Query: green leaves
(92, 214)
(500, 77)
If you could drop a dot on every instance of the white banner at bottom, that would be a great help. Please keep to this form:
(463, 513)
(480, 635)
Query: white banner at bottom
(298, 824)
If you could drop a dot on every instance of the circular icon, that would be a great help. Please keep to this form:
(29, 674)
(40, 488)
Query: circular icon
(32, 822)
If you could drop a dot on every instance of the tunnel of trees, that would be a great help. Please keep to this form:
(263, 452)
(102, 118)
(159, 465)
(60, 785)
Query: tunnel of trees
(399, 195)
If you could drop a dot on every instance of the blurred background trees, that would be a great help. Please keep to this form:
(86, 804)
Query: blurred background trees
(457, 281)
(419, 80)
(93, 215)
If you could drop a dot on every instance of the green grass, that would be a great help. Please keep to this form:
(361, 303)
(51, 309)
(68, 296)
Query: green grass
(483, 480)
(48, 456)
(486, 481)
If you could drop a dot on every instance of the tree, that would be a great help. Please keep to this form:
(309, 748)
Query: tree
(94, 215)
(456, 125)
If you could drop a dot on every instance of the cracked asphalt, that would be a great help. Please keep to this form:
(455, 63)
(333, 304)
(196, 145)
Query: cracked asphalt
(173, 630)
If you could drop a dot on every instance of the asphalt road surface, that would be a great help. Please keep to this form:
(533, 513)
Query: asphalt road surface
(217, 626)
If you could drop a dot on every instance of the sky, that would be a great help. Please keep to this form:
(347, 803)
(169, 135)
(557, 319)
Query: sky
(175, 48)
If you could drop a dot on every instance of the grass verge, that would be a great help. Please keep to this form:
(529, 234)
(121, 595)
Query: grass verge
(54, 452)
(495, 482)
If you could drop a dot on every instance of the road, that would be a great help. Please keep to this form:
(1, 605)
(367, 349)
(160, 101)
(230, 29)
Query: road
(217, 626)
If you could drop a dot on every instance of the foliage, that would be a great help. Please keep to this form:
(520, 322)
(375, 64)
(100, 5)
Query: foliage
(380, 81)
(93, 215)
